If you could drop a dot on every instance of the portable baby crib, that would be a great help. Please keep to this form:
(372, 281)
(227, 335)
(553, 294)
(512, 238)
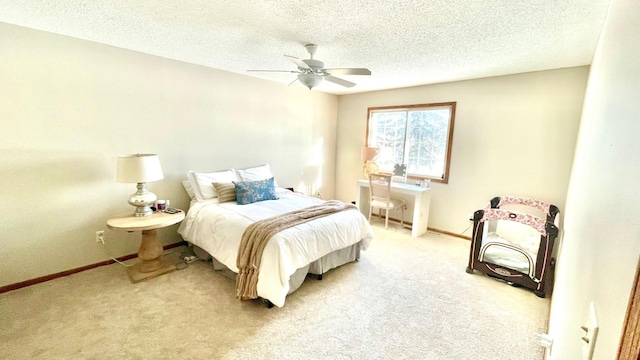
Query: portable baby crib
(505, 244)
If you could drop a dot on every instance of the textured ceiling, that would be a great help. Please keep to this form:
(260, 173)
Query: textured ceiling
(403, 43)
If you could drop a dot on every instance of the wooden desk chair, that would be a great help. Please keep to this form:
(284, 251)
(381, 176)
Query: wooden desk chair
(380, 197)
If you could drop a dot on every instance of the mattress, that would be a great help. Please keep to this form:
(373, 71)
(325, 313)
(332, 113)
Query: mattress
(498, 246)
(217, 228)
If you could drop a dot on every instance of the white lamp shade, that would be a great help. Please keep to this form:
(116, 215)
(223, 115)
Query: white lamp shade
(139, 168)
(369, 153)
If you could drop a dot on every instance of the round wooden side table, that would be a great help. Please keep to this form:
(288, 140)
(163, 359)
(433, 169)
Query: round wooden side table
(150, 252)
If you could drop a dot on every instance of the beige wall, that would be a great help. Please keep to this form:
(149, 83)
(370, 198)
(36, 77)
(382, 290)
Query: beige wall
(514, 135)
(69, 107)
(601, 245)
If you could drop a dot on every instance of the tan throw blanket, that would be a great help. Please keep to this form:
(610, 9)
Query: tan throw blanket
(258, 234)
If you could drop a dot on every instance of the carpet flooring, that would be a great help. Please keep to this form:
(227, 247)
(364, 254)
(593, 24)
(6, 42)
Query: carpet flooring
(407, 298)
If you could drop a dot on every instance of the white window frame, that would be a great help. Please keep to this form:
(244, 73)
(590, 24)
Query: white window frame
(451, 106)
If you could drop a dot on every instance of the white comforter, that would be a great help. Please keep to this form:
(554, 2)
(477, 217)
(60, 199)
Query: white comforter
(217, 228)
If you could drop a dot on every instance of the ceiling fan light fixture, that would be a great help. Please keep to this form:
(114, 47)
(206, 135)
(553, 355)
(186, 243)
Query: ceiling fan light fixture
(311, 72)
(310, 80)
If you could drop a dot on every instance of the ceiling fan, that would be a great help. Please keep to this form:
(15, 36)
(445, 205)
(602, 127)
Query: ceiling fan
(311, 72)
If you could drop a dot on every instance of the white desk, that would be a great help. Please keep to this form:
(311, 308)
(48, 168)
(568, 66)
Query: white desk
(419, 199)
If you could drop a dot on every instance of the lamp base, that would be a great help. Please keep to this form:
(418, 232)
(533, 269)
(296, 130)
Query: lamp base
(142, 200)
(369, 167)
(143, 211)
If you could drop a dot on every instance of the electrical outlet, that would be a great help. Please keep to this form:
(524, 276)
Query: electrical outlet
(591, 333)
(100, 236)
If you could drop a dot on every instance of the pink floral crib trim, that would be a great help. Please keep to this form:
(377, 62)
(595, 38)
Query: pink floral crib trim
(527, 219)
(506, 200)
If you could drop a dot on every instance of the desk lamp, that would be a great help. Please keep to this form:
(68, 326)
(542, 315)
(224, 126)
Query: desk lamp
(368, 155)
(140, 168)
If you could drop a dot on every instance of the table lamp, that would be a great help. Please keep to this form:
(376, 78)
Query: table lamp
(140, 169)
(368, 155)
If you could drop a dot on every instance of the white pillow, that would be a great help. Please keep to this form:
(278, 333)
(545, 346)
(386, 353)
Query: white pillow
(189, 189)
(202, 182)
(256, 173)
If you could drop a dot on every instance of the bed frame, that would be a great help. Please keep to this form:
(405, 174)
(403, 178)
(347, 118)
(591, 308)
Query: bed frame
(316, 268)
(539, 277)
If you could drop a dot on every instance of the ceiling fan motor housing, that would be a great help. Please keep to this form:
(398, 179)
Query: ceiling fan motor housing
(317, 66)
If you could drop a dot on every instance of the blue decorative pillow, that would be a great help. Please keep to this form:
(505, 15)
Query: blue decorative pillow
(248, 192)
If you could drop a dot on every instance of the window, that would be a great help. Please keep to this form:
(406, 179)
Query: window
(417, 135)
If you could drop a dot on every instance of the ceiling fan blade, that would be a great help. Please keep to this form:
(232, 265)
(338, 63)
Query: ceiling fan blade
(339, 81)
(349, 71)
(286, 71)
(298, 62)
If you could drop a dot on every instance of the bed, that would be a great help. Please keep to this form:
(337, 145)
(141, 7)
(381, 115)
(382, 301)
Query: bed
(516, 245)
(215, 225)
